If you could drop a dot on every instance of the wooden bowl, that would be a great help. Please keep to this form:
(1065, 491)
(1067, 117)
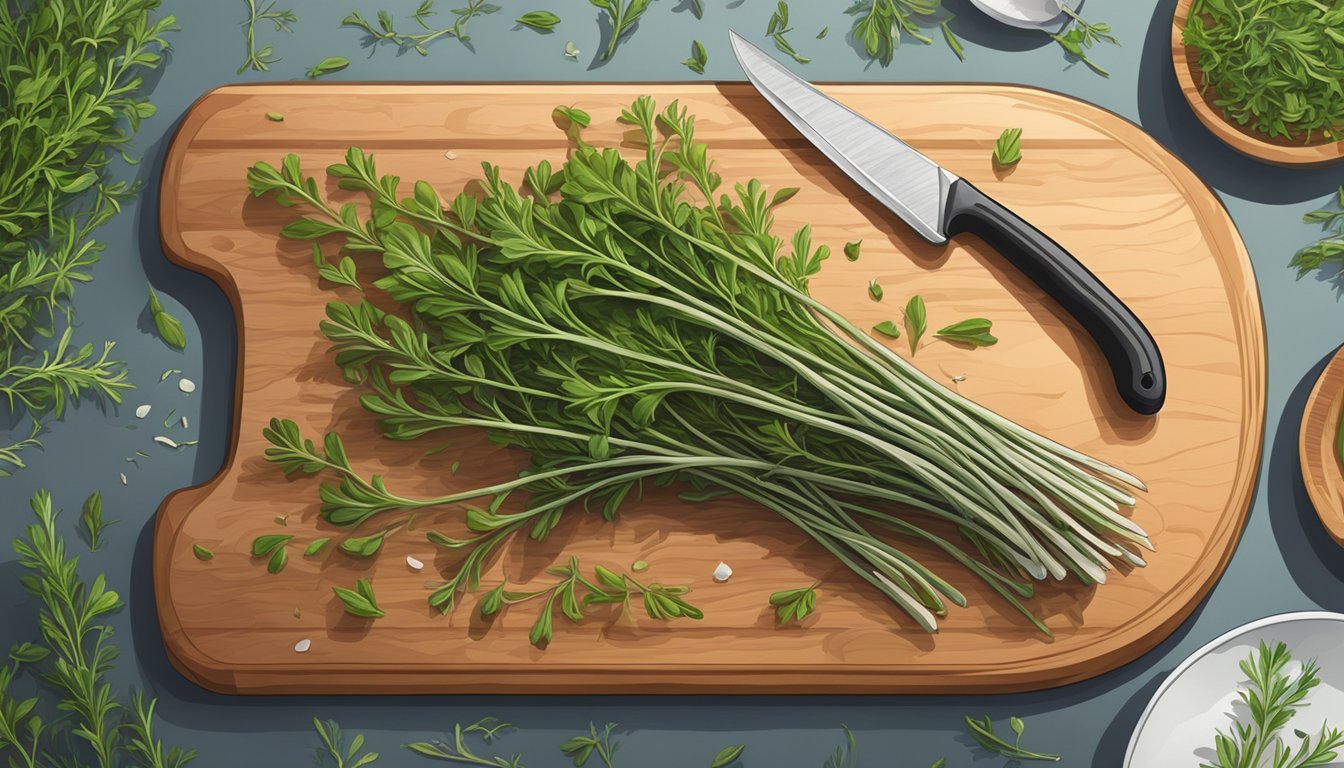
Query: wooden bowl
(1245, 140)
(1322, 471)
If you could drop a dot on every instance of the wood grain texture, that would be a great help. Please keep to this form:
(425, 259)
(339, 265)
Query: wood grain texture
(1322, 471)
(1244, 140)
(1135, 215)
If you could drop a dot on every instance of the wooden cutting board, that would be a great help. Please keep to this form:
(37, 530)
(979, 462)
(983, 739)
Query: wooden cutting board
(1134, 214)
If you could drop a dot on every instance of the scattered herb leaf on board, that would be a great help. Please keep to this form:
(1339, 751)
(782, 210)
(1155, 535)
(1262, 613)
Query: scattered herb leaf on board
(974, 332)
(386, 31)
(202, 552)
(457, 751)
(573, 594)
(272, 546)
(778, 28)
(315, 546)
(582, 747)
(275, 117)
(328, 65)
(874, 290)
(916, 321)
(91, 518)
(1008, 147)
(333, 742)
(622, 16)
(365, 546)
(727, 756)
(360, 601)
(1329, 250)
(73, 98)
(283, 21)
(169, 327)
(1273, 697)
(1080, 36)
(852, 250)
(794, 604)
(699, 58)
(880, 24)
(889, 329)
(983, 733)
(1275, 68)
(542, 21)
(738, 355)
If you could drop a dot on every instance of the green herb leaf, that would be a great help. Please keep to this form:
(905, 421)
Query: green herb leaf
(1008, 148)
(874, 290)
(582, 747)
(778, 27)
(916, 321)
(202, 553)
(364, 546)
(1081, 36)
(794, 604)
(279, 558)
(342, 274)
(269, 543)
(822, 34)
(275, 117)
(974, 332)
(328, 65)
(28, 653)
(543, 21)
(315, 546)
(699, 58)
(889, 329)
(283, 20)
(622, 17)
(983, 733)
(727, 756)
(952, 41)
(1330, 249)
(91, 517)
(697, 9)
(169, 328)
(880, 25)
(360, 602)
(852, 250)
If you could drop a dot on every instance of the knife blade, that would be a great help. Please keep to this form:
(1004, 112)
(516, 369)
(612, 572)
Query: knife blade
(939, 204)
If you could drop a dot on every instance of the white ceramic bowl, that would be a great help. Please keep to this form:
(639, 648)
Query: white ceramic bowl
(1028, 14)
(1177, 728)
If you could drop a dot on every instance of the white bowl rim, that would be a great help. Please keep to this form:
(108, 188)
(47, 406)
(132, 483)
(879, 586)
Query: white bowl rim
(1212, 645)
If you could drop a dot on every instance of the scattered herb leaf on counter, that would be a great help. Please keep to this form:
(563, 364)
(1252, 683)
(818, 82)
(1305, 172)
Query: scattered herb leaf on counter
(697, 9)
(283, 20)
(542, 21)
(169, 327)
(386, 31)
(778, 28)
(333, 740)
(489, 727)
(847, 754)
(91, 518)
(983, 733)
(1273, 697)
(722, 345)
(727, 756)
(1329, 249)
(1008, 147)
(916, 320)
(699, 58)
(874, 290)
(580, 748)
(794, 604)
(952, 41)
(202, 552)
(823, 33)
(457, 751)
(974, 332)
(360, 602)
(622, 16)
(1275, 68)
(889, 329)
(880, 24)
(852, 250)
(328, 65)
(1080, 36)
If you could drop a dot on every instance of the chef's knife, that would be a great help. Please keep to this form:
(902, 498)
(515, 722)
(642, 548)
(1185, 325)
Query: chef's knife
(937, 203)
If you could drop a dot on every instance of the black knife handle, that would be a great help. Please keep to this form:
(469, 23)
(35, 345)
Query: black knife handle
(1130, 349)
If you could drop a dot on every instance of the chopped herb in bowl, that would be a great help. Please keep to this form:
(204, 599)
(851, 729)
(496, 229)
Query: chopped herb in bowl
(1274, 69)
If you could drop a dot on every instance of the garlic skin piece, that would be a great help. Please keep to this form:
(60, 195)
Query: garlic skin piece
(186, 385)
(303, 645)
(723, 573)
(142, 411)
(413, 563)
(168, 441)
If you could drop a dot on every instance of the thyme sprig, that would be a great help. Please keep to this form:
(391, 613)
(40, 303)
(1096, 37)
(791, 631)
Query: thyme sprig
(608, 321)
(457, 751)
(284, 19)
(386, 30)
(881, 24)
(1330, 248)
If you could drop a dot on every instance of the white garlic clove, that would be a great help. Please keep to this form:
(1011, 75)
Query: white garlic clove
(142, 411)
(303, 645)
(413, 563)
(186, 385)
(722, 573)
